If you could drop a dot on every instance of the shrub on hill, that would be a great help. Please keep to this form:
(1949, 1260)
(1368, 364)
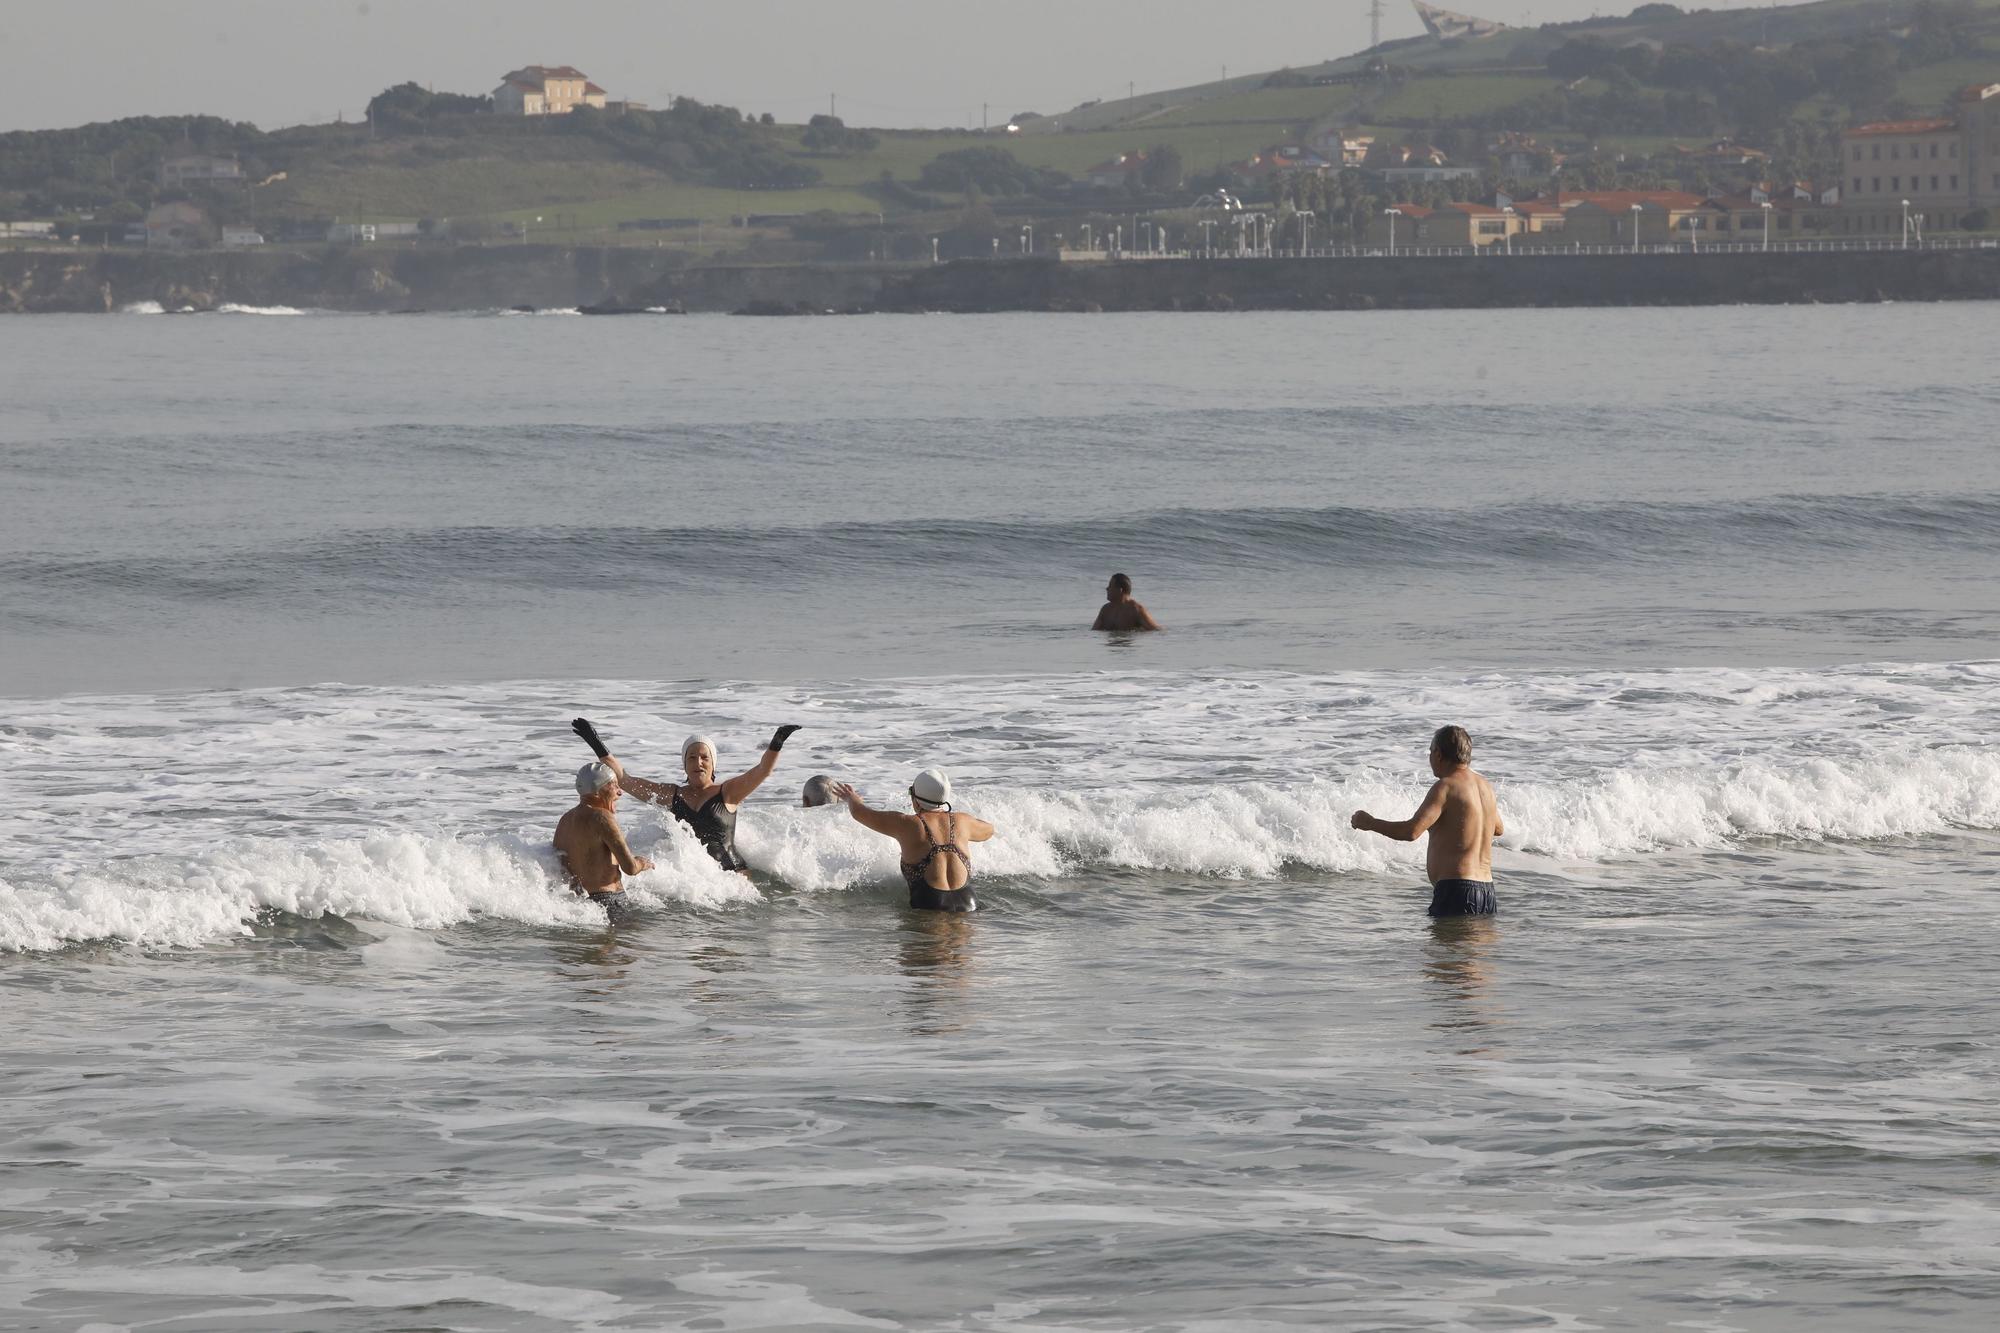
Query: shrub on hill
(991, 171)
(829, 134)
(409, 108)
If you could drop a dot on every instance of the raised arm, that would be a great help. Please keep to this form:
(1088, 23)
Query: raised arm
(641, 789)
(738, 789)
(1405, 830)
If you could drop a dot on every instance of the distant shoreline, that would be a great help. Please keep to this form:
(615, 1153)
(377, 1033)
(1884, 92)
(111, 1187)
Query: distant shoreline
(558, 277)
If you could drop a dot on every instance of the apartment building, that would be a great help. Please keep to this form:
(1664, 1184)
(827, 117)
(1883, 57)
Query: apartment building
(1939, 169)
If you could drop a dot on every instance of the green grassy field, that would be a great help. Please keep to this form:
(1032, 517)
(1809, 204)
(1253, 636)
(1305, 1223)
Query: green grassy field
(1460, 95)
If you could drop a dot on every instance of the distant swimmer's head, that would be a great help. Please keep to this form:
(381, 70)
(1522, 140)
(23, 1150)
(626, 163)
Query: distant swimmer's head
(931, 790)
(1119, 588)
(698, 758)
(1451, 748)
(819, 791)
(594, 777)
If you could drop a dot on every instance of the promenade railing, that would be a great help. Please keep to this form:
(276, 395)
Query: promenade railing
(1546, 250)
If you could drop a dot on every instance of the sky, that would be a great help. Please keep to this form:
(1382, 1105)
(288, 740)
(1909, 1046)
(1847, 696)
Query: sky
(889, 62)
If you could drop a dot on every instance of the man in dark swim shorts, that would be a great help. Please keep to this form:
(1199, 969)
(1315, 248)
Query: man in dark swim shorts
(591, 846)
(1462, 818)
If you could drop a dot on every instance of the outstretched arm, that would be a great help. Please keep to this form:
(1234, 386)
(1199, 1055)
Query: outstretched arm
(1405, 830)
(885, 822)
(641, 789)
(738, 789)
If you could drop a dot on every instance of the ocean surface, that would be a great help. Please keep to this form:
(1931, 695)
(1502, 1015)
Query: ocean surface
(302, 1033)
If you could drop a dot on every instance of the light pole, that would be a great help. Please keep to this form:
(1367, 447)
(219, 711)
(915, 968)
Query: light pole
(1635, 228)
(1906, 224)
(934, 254)
(1507, 227)
(1208, 238)
(1089, 237)
(1766, 206)
(1028, 239)
(1392, 214)
(1693, 243)
(1306, 216)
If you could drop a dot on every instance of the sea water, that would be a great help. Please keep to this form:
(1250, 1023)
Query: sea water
(302, 1032)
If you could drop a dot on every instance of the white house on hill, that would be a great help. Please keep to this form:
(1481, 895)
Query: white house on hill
(542, 90)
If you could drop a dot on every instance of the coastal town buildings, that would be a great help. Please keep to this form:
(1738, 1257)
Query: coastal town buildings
(544, 90)
(1940, 169)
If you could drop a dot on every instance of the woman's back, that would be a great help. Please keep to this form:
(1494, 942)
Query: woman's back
(938, 857)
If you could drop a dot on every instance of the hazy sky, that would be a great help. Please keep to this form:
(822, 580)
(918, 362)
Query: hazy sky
(893, 62)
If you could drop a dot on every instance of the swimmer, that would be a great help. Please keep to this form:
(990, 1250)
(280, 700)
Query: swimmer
(937, 864)
(1120, 611)
(1462, 818)
(819, 791)
(589, 843)
(706, 806)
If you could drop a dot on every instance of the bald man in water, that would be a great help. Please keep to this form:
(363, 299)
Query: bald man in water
(1463, 818)
(590, 844)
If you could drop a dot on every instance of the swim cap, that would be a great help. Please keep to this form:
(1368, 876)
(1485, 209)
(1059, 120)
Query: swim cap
(594, 777)
(819, 790)
(932, 787)
(702, 741)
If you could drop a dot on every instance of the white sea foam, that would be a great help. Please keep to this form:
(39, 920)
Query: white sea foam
(232, 308)
(142, 308)
(200, 811)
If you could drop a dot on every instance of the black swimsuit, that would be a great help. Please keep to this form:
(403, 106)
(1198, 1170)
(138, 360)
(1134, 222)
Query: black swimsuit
(922, 895)
(715, 825)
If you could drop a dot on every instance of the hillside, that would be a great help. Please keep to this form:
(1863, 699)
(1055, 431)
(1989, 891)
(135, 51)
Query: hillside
(1607, 91)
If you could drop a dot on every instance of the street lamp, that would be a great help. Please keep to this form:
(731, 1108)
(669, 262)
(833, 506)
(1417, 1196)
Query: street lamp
(1635, 228)
(1028, 239)
(1392, 214)
(1507, 227)
(1766, 206)
(934, 254)
(1694, 243)
(1906, 224)
(1208, 238)
(1306, 216)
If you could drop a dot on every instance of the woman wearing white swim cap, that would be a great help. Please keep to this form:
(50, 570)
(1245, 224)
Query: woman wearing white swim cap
(935, 841)
(707, 806)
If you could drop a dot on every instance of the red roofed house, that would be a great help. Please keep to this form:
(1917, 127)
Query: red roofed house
(1943, 167)
(541, 90)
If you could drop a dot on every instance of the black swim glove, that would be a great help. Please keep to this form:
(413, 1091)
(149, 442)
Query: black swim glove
(780, 736)
(581, 726)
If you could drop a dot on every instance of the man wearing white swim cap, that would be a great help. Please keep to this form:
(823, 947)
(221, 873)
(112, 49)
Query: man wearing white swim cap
(589, 842)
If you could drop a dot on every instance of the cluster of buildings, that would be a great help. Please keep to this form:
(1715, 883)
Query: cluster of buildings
(1938, 174)
(1795, 211)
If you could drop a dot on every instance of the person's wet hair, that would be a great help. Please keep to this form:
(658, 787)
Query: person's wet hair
(1452, 745)
(1121, 583)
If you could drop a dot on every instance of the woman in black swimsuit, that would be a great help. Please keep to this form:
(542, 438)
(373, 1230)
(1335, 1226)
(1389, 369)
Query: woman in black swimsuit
(706, 806)
(936, 860)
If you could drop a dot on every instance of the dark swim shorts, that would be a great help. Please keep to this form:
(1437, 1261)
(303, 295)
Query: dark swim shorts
(617, 907)
(1462, 897)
